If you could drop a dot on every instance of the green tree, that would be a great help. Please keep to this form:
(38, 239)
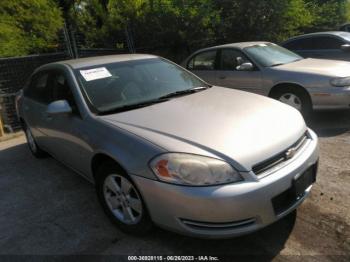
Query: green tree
(153, 23)
(28, 26)
(176, 26)
(92, 19)
(12, 39)
(327, 14)
(271, 20)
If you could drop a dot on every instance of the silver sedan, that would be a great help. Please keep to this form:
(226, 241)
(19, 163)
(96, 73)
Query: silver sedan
(268, 69)
(163, 147)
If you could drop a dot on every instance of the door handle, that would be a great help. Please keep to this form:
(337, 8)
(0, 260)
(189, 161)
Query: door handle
(222, 77)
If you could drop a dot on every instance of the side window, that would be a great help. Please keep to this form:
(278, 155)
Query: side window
(312, 43)
(62, 91)
(38, 89)
(203, 61)
(231, 58)
(326, 42)
(300, 44)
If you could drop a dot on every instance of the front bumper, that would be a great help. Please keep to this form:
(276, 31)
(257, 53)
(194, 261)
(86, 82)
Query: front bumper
(330, 98)
(226, 210)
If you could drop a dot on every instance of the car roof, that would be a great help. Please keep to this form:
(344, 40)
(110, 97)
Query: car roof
(341, 34)
(240, 45)
(98, 60)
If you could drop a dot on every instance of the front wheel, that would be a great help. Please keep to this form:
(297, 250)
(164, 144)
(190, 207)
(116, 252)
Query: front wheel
(121, 200)
(294, 97)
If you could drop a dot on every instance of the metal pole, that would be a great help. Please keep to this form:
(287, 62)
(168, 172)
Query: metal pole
(129, 40)
(67, 40)
(1, 127)
(73, 42)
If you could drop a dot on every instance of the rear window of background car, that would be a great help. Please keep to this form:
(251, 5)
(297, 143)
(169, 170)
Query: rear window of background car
(203, 61)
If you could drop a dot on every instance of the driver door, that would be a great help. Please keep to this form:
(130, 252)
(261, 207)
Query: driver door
(68, 132)
(230, 75)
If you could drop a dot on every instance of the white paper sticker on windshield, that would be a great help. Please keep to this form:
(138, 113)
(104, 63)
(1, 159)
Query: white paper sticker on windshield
(96, 73)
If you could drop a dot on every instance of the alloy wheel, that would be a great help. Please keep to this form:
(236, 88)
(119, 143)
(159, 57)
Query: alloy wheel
(122, 199)
(292, 100)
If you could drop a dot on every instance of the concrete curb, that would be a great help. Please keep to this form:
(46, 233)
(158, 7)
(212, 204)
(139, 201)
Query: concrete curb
(11, 136)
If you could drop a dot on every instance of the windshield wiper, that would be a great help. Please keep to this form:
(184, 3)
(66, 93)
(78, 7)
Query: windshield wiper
(184, 92)
(278, 64)
(132, 106)
(153, 101)
(296, 60)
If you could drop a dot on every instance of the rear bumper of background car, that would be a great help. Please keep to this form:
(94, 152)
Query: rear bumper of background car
(330, 98)
(233, 209)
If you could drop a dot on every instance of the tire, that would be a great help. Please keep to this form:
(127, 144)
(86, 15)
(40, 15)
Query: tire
(126, 208)
(294, 96)
(33, 146)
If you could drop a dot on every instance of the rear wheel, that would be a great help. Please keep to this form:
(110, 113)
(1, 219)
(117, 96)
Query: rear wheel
(121, 200)
(33, 146)
(295, 97)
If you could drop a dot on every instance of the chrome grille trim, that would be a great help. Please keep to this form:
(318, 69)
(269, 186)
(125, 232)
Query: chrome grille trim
(266, 165)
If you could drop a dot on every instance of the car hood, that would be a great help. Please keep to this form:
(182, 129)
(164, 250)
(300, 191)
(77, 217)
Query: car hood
(239, 127)
(325, 67)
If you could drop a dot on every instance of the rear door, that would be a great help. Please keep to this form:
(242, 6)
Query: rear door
(204, 65)
(229, 76)
(36, 97)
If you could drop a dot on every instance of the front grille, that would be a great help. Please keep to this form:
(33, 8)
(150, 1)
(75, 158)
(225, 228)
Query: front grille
(268, 164)
(218, 226)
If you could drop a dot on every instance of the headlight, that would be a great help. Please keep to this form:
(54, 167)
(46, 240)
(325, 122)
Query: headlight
(340, 81)
(187, 169)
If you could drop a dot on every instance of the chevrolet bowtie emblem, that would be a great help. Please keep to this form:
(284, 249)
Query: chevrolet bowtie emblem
(290, 153)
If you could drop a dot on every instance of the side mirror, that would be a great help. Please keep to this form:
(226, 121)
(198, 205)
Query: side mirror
(345, 48)
(59, 107)
(239, 60)
(245, 67)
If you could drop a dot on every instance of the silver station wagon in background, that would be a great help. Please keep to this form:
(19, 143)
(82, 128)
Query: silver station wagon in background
(268, 69)
(163, 147)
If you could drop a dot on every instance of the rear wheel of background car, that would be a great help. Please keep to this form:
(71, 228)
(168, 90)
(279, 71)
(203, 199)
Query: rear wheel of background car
(33, 146)
(295, 97)
(121, 200)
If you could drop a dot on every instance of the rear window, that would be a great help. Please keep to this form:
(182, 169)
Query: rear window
(203, 61)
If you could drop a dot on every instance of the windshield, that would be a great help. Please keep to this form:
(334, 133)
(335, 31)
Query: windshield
(271, 55)
(121, 84)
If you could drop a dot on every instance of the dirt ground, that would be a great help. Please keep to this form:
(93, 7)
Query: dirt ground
(46, 209)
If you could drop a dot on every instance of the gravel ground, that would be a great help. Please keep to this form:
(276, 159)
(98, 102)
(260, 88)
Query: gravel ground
(46, 209)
